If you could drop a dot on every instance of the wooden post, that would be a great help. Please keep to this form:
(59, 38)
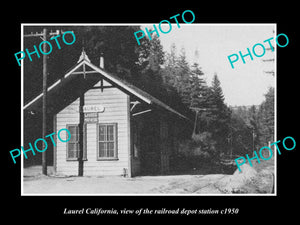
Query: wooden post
(130, 138)
(81, 127)
(44, 107)
(44, 155)
(195, 124)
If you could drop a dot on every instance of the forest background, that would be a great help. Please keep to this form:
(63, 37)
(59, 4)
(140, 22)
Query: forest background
(219, 130)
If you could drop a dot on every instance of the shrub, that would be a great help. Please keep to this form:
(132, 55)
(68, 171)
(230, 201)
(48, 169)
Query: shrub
(201, 145)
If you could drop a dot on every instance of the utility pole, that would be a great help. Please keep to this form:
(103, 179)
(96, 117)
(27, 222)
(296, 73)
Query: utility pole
(272, 59)
(44, 36)
(44, 156)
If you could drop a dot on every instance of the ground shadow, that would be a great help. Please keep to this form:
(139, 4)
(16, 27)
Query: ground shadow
(198, 166)
(205, 169)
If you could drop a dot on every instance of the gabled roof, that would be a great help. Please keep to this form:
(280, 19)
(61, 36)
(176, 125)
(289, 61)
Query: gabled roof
(69, 79)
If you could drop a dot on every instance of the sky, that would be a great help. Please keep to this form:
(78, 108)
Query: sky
(247, 83)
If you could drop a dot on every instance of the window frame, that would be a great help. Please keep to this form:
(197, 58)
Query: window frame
(84, 157)
(115, 157)
(68, 143)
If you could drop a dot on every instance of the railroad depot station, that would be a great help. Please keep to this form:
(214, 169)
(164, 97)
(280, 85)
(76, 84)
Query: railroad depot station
(116, 128)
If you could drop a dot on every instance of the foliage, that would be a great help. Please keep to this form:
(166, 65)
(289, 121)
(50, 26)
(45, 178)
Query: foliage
(220, 114)
(116, 43)
(206, 145)
(252, 127)
(212, 116)
(240, 135)
(266, 118)
(167, 76)
(201, 145)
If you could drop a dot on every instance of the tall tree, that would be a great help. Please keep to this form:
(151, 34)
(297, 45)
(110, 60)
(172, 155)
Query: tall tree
(152, 58)
(200, 98)
(253, 124)
(184, 78)
(176, 79)
(198, 86)
(240, 136)
(266, 117)
(217, 92)
(220, 114)
(256, 127)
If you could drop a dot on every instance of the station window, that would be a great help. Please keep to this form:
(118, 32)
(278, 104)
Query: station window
(107, 141)
(73, 144)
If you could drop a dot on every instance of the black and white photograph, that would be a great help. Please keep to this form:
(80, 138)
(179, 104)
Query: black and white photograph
(128, 112)
(166, 114)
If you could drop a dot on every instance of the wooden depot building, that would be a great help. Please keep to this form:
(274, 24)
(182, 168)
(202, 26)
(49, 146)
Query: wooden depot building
(116, 128)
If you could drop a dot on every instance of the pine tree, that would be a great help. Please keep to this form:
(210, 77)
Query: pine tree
(151, 57)
(177, 74)
(170, 73)
(240, 137)
(170, 67)
(220, 115)
(217, 92)
(197, 87)
(184, 78)
(151, 54)
(266, 117)
(200, 101)
(253, 124)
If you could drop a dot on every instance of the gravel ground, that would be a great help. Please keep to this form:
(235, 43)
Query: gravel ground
(248, 182)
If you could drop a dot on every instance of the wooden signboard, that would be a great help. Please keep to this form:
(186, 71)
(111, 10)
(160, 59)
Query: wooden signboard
(93, 108)
(91, 117)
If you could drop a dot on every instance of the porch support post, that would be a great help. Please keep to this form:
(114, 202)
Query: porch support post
(130, 143)
(81, 127)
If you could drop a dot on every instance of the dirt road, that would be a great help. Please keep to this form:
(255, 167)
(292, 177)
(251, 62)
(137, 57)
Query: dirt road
(35, 183)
